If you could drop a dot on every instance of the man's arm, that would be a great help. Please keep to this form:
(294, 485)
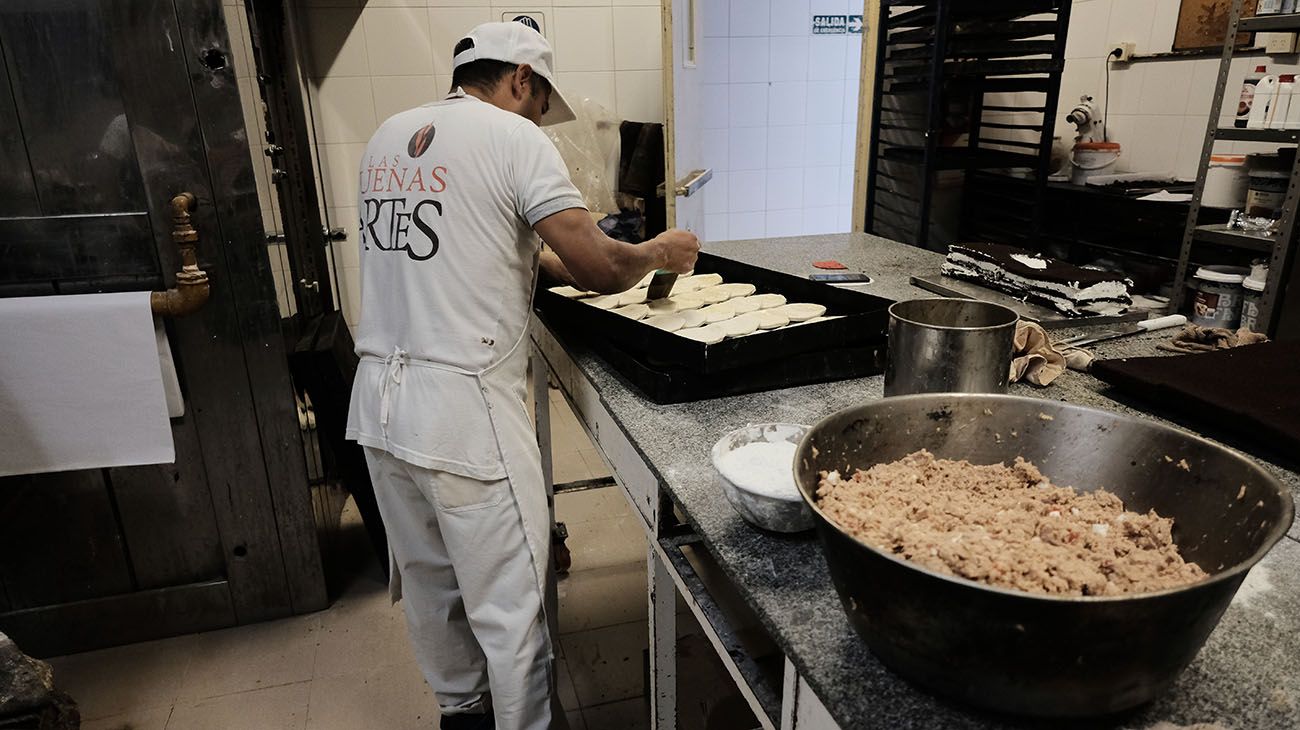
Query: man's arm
(597, 262)
(554, 269)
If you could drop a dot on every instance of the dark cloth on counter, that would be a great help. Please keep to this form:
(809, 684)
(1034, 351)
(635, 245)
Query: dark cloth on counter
(1251, 391)
(1194, 338)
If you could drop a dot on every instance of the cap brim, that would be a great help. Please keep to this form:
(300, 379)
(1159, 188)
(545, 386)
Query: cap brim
(559, 110)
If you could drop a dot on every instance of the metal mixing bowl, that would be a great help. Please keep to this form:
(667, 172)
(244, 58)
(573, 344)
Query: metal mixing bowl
(763, 510)
(1037, 654)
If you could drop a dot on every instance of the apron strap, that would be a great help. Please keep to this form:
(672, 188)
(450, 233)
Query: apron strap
(393, 366)
(395, 363)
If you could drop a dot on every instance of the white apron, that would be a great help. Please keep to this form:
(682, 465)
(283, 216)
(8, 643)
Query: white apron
(512, 429)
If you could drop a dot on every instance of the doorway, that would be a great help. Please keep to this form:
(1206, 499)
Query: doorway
(777, 124)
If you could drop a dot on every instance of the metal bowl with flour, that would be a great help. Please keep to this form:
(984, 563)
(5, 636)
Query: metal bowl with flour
(1029, 653)
(762, 507)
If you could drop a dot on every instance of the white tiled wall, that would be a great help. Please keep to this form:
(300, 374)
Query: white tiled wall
(780, 117)
(369, 59)
(1157, 109)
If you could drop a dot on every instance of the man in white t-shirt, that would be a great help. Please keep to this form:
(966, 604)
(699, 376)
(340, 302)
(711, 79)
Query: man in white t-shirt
(453, 197)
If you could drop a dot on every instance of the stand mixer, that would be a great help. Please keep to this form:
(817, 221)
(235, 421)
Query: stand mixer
(1091, 153)
(1085, 118)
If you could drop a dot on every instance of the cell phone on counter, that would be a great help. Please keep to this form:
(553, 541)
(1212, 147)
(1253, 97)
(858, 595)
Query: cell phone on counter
(841, 277)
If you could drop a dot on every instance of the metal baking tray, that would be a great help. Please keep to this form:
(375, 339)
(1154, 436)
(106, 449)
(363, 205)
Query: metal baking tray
(669, 368)
(668, 384)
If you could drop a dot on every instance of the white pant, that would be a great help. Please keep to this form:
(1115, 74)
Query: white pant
(469, 591)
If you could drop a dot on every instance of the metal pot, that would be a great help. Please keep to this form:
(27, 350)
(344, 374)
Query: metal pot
(949, 345)
(1036, 654)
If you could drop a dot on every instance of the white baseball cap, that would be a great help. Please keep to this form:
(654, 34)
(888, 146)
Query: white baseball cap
(514, 42)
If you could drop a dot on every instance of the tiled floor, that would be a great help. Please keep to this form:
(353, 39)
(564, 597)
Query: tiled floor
(350, 667)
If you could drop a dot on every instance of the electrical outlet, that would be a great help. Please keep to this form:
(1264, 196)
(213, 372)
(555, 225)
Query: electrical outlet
(1276, 42)
(1122, 52)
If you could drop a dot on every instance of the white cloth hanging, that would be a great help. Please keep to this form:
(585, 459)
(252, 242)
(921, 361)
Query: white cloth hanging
(81, 384)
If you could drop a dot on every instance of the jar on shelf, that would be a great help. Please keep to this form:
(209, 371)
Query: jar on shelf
(1218, 296)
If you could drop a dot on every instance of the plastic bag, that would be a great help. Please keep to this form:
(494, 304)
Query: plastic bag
(589, 146)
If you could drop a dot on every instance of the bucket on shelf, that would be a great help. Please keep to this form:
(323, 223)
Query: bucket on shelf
(1218, 296)
(1091, 158)
(1267, 193)
(1252, 295)
(1226, 181)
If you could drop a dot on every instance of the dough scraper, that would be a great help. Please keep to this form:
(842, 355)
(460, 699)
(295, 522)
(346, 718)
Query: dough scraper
(661, 284)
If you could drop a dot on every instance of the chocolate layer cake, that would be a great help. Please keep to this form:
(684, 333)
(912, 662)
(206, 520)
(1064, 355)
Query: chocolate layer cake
(1071, 289)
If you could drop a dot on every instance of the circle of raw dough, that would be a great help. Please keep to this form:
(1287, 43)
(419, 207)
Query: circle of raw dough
(767, 301)
(712, 295)
(770, 319)
(570, 292)
(718, 313)
(709, 334)
(693, 318)
(634, 311)
(697, 282)
(608, 301)
(632, 296)
(645, 281)
(667, 322)
(737, 290)
(740, 326)
(661, 306)
(672, 305)
(744, 305)
(802, 312)
(684, 285)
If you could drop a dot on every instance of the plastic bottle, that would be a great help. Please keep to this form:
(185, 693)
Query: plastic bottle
(1293, 112)
(1248, 85)
(1288, 6)
(1265, 96)
(1281, 105)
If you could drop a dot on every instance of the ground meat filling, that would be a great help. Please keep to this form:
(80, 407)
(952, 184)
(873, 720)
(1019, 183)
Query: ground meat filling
(1007, 526)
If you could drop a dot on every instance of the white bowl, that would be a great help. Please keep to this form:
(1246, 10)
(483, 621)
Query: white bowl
(764, 510)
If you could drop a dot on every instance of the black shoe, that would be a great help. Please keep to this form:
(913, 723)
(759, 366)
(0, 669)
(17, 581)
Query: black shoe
(467, 722)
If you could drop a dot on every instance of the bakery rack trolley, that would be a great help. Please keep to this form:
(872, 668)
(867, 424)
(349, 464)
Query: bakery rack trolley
(1215, 243)
(990, 70)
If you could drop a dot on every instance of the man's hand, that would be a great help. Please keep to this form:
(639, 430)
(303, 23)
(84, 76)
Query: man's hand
(681, 248)
(599, 263)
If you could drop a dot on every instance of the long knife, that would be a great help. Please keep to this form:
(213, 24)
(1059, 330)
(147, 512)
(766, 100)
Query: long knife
(1150, 325)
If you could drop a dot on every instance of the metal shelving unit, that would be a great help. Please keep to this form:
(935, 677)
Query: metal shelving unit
(1224, 236)
(1236, 134)
(1281, 316)
(1270, 23)
(941, 65)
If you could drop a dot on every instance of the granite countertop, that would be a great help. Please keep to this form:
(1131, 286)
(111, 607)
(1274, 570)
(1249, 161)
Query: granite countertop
(1246, 676)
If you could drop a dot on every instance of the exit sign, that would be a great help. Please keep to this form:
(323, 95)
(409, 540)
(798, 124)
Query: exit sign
(836, 24)
(830, 24)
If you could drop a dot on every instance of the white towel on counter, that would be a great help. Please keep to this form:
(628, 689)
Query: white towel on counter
(81, 384)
